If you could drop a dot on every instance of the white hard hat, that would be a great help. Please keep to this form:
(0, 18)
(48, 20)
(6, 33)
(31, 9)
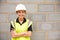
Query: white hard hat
(20, 7)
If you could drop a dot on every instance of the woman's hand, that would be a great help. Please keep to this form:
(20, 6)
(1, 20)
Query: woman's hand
(14, 34)
(27, 33)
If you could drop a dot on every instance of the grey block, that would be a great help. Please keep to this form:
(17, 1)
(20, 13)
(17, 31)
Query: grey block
(54, 17)
(15, 1)
(34, 26)
(45, 26)
(3, 17)
(32, 1)
(57, 26)
(36, 1)
(57, 0)
(48, 26)
(12, 16)
(7, 7)
(38, 36)
(32, 8)
(25, 1)
(4, 27)
(11, 7)
(3, 7)
(58, 8)
(5, 36)
(29, 16)
(38, 17)
(46, 8)
(51, 0)
(2, 1)
(54, 36)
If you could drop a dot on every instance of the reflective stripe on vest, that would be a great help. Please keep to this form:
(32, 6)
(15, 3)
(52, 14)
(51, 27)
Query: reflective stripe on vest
(21, 28)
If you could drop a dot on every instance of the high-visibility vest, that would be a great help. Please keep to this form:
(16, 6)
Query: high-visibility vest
(21, 28)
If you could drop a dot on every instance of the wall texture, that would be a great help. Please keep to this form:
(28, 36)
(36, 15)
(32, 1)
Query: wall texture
(45, 15)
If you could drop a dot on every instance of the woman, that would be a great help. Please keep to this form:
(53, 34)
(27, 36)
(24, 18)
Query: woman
(21, 28)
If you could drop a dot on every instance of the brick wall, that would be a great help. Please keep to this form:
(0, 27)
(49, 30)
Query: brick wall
(45, 15)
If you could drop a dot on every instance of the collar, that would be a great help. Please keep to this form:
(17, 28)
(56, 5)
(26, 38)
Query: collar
(22, 22)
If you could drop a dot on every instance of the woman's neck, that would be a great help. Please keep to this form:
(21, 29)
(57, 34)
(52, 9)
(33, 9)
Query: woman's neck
(21, 19)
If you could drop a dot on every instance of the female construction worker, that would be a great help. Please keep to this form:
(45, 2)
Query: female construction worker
(21, 28)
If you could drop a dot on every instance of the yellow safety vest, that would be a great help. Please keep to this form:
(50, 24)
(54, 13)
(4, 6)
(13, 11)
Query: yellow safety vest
(21, 28)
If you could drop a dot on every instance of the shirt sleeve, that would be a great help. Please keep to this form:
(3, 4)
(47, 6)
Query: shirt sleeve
(11, 27)
(30, 28)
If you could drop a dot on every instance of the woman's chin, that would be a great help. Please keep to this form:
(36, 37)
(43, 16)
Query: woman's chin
(20, 17)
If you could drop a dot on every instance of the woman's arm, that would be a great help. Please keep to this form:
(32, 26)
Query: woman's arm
(14, 34)
(29, 33)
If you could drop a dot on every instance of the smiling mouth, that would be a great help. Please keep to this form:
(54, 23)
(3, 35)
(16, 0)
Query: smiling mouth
(20, 15)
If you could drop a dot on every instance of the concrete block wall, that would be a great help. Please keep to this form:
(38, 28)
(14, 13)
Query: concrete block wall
(45, 15)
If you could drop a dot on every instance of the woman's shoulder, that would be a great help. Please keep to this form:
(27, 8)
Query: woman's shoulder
(13, 20)
(28, 20)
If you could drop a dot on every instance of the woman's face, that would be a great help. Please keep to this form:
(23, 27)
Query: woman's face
(21, 13)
